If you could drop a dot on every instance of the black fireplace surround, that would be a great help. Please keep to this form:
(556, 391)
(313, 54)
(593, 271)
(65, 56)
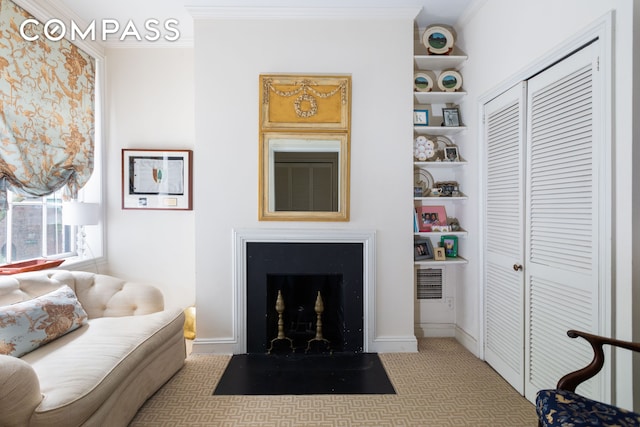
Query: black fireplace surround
(299, 271)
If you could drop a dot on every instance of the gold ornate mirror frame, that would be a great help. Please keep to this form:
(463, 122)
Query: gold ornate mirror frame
(304, 148)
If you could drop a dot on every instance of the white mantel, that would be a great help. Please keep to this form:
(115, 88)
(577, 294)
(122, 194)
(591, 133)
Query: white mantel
(242, 237)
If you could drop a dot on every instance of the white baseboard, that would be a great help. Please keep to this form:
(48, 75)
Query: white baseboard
(214, 346)
(467, 341)
(394, 344)
(435, 330)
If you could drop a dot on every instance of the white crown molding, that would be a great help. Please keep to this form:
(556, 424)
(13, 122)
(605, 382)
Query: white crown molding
(347, 13)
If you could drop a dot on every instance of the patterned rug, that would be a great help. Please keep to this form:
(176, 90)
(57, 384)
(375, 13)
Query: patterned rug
(441, 385)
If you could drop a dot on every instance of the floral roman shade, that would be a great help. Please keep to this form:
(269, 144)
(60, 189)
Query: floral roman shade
(46, 110)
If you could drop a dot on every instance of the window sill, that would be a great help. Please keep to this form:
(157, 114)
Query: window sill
(83, 264)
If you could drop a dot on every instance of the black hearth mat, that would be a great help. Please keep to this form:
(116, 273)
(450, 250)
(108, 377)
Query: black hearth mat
(337, 373)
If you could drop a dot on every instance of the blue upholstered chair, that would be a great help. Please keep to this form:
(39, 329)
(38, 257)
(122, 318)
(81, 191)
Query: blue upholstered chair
(562, 407)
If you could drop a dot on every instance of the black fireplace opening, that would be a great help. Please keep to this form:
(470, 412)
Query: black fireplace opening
(304, 298)
(303, 275)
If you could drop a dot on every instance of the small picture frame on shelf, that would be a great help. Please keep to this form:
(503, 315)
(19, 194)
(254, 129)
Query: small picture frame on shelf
(447, 189)
(439, 255)
(450, 117)
(451, 154)
(428, 216)
(421, 117)
(422, 249)
(450, 246)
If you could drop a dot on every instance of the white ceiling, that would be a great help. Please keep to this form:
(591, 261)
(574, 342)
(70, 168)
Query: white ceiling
(433, 11)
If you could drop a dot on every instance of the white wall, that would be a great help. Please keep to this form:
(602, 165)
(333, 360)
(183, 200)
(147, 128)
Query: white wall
(229, 57)
(150, 97)
(503, 38)
(150, 104)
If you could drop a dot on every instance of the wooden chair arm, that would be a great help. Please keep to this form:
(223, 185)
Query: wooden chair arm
(572, 380)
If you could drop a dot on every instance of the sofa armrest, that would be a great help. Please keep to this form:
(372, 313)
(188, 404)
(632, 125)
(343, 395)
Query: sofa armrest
(107, 296)
(19, 391)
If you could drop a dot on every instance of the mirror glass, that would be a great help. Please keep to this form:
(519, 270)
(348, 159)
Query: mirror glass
(304, 177)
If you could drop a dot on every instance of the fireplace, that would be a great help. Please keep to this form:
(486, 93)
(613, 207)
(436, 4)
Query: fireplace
(340, 264)
(298, 277)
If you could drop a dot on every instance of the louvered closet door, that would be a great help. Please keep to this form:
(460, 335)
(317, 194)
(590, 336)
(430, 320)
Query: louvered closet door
(504, 231)
(562, 268)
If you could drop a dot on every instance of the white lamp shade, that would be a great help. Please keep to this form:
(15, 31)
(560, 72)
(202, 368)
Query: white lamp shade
(78, 213)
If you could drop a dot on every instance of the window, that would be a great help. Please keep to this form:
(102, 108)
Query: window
(50, 130)
(32, 228)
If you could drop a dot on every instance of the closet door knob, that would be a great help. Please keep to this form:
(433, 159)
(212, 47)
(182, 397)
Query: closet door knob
(517, 267)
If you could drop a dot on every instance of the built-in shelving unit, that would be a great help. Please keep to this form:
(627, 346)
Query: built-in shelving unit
(427, 100)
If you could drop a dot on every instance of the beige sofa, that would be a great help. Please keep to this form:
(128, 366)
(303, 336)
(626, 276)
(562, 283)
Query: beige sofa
(101, 373)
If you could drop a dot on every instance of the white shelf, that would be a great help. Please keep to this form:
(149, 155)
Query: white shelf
(438, 234)
(438, 62)
(438, 198)
(438, 130)
(438, 97)
(438, 164)
(448, 261)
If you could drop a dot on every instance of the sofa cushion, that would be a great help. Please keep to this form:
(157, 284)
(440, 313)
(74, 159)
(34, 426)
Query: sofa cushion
(27, 325)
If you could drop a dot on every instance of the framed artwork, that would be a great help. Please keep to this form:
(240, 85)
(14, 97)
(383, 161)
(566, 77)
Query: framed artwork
(429, 216)
(438, 254)
(295, 102)
(422, 249)
(421, 117)
(451, 117)
(451, 154)
(157, 179)
(450, 245)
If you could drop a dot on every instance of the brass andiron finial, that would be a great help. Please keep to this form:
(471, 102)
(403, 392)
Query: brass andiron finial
(281, 336)
(319, 309)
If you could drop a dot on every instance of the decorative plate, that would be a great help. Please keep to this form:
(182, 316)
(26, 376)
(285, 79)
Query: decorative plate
(423, 82)
(449, 81)
(424, 148)
(423, 179)
(438, 40)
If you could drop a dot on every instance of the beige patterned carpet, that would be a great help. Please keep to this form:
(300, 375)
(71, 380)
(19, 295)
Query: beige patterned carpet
(441, 385)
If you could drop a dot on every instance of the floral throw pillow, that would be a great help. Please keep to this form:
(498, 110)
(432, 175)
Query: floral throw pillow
(27, 325)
